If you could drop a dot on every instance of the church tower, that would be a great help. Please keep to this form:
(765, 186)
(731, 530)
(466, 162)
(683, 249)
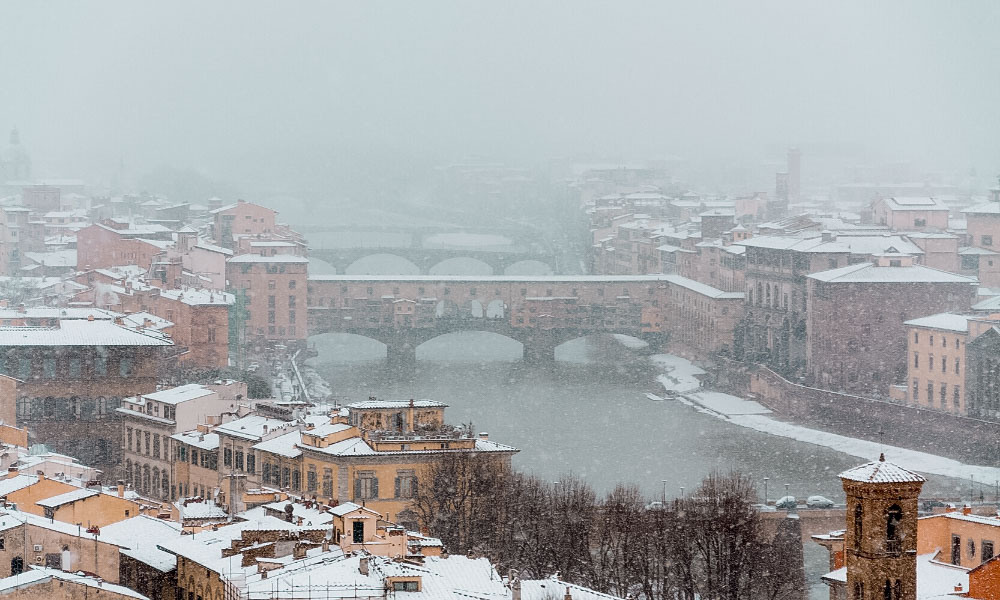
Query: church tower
(880, 546)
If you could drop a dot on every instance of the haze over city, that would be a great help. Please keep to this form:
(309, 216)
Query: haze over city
(336, 93)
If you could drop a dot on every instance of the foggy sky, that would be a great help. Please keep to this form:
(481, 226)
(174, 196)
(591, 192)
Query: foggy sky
(245, 90)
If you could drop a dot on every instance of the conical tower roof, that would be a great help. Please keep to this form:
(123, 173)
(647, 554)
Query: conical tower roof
(881, 471)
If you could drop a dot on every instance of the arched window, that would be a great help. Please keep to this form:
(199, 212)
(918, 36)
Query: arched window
(897, 590)
(858, 525)
(156, 481)
(16, 565)
(23, 408)
(145, 478)
(128, 470)
(893, 517)
(887, 591)
(859, 590)
(164, 483)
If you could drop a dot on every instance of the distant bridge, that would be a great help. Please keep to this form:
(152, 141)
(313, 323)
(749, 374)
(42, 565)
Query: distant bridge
(423, 260)
(425, 247)
(539, 312)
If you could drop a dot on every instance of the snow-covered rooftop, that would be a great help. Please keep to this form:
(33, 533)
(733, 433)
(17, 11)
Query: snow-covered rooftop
(945, 321)
(37, 575)
(82, 333)
(66, 498)
(391, 404)
(881, 471)
(181, 393)
(203, 441)
(871, 273)
(277, 258)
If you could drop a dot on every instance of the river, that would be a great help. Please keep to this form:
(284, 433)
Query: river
(589, 415)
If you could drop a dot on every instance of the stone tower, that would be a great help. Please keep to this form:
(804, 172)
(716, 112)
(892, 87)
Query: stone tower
(880, 546)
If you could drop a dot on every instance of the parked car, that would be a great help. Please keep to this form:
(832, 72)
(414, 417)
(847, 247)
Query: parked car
(819, 502)
(786, 502)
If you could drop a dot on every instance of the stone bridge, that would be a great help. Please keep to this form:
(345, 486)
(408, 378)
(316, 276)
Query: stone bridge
(538, 312)
(423, 260)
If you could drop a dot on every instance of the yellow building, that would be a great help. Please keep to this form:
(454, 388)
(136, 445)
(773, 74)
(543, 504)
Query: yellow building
(936, 359)
(372, 453)
(62, 501)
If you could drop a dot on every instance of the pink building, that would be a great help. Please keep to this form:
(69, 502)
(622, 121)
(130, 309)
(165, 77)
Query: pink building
(910, 213)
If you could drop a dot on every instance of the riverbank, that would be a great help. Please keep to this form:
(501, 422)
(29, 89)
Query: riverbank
(680, 377)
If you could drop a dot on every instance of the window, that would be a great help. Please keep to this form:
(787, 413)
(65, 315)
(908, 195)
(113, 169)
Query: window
(916, 390)
(944, 342)
(972, 548)
(957, 397)
(291, 302)
(358, 532)
(944, 394)
(270, 301)
(916, 337)
(294, 477)
(366, 486)
(128, 438)
(146, 437)
(406, 484)
(930, 393)
(956, 550)
(291, 284)
(270, 284)
(227, 457)
(125, 366)
(251, 463)
(156, 446)
(858, 525)
(239, 460)
(987, 240)
(328, 483)
(916, 360)
(311, 483)
(405, 586)
(986, 549)
(75, 367)
(957, 367)
(930, 362)
(944, 364)
(893, 518)
(932, 340)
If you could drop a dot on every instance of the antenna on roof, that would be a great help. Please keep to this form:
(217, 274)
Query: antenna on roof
(881, 441)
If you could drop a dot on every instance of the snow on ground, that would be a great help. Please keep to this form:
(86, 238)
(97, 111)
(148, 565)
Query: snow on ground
(729, 405)
(678, 373)
(630, 342)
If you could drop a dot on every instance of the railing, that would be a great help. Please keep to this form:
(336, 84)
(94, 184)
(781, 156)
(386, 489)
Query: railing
(892, 547)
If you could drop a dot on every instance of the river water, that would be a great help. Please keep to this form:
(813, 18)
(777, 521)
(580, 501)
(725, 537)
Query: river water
(589, 415)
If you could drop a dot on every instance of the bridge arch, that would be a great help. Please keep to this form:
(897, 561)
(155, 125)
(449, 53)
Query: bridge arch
(382, 263)
(461, 265)
(528, 267)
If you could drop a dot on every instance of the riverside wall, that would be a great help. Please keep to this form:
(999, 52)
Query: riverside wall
(935, 432)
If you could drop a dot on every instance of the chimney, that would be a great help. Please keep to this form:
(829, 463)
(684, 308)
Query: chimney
(950, 508)
(363, 565)
(967, 510)
(484, 436)
(568, 596)
(121, 488)
(829, 236)
(299, 551)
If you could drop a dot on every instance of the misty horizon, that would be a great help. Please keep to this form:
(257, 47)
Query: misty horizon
(331, 94)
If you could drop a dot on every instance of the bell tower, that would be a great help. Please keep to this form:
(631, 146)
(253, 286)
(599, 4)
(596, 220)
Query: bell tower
(880, 546)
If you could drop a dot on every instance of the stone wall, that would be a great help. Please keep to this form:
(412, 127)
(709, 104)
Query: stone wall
(961, 438)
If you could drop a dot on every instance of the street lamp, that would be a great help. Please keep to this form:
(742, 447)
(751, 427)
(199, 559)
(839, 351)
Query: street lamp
(664, 499)
(682, 491)
(786, 490)
(766, 479)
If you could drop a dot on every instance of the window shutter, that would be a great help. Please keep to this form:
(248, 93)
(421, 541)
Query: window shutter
(397, 488)
(374, 487)
(413, 487)
(357, 489)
